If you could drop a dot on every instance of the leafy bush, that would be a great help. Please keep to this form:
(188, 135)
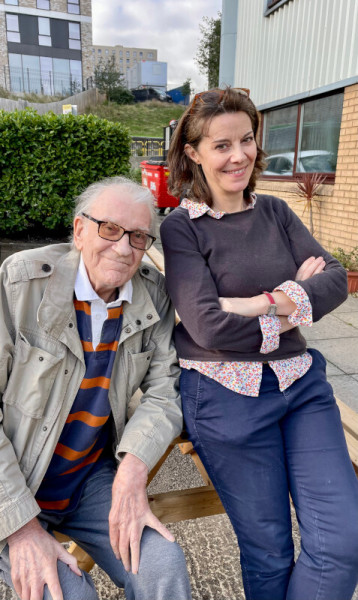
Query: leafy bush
(136, 175)
(121, 95)
(47, 160)
(348, 259)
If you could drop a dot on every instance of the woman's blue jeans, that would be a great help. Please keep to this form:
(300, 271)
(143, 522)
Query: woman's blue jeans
(258, 451)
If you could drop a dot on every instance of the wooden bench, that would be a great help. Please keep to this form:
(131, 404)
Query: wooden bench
(350, 425)
(169, 507)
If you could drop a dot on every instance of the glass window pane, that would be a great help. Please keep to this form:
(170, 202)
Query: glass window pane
(74, 44)
(31, 73)
(16, 77)
(12, 36)
(319, 135)
(279, 140)
(46, 75)
(15, 60)
(12, 22)
(44, 26)
(74, 31)
(44, 4)
(12, 2)
(74, 9)
(44, 40)
(61, 69)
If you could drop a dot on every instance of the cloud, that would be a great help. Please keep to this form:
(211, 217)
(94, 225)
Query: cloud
(170, 26)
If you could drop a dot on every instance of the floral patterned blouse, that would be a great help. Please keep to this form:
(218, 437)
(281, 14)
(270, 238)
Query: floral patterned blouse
(245, 377)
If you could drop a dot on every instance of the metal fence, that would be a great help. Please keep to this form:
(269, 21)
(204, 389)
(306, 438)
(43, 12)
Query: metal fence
(48, 83)
(147, 146)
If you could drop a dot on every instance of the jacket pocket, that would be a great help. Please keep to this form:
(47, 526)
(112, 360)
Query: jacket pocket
(31, 379)
(139, 363)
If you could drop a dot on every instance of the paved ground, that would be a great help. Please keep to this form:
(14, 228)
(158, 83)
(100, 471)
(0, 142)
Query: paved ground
(209, 543)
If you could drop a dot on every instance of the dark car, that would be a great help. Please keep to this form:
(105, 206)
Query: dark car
(150, 93)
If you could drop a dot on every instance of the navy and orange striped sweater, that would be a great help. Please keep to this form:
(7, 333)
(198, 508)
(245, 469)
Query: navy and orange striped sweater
(86, 434)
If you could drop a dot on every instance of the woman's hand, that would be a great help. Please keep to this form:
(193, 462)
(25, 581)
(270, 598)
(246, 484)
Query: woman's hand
(311, 266)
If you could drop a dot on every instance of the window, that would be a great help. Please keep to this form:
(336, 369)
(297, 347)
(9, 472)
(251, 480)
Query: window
(150, 55)
(12, 28)
(127, 61)
(44, 4)
(106, 52)
(44, 31)
(12, 2)
(134, 54)
(73, 7)
(99, 51)
(46, 75)
(272, 5)
(303, 137)
(74, 36)
(127, 54)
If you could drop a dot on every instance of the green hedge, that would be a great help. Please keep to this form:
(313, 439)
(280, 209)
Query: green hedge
(47, 160)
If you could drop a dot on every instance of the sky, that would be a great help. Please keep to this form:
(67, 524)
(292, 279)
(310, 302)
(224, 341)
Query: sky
(170, 26)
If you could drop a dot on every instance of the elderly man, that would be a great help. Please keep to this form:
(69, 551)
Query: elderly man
(81, 329)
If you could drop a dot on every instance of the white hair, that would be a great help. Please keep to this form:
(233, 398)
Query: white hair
(139, 194)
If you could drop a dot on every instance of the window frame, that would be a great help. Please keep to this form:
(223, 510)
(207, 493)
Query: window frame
(12, 31)
(42, 7)
(272, 5)
(74, 40)
(296, 175)
(73, 3)
(44, 36)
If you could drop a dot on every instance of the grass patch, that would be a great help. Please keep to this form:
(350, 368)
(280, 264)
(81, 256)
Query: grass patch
(30, 97)
(146, 119)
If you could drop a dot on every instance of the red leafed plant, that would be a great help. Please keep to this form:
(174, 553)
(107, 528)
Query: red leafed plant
(307, 188)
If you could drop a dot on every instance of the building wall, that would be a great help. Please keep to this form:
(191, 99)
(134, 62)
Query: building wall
(58, 10)
(336, 219)
(120, 52)
(301, 46)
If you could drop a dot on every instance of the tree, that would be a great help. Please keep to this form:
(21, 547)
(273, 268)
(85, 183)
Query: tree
(186, 87)
(208, 53)
(107, 78)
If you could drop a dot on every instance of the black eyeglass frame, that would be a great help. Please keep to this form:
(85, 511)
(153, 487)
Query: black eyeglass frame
(151, 238)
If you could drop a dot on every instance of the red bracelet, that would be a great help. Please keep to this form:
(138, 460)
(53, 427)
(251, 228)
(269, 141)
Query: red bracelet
(272, 308)
(270, 297)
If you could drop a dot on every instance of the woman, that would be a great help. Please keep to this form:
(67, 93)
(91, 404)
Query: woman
(243, 273)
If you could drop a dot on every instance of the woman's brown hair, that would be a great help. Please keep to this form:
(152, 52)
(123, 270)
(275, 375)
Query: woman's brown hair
(186, 177)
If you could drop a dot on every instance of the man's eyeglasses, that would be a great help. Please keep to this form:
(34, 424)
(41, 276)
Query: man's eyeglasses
(216, 95)
(113, 233)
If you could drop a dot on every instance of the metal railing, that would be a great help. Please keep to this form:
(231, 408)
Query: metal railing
(16, 79)
(147, 146)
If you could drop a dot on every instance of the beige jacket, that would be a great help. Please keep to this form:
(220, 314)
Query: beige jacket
(42, 366)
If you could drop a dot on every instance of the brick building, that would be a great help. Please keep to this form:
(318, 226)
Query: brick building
(299, 58)
(124, 57)
(45, 45)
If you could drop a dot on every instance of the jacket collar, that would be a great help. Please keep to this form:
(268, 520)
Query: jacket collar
(56, 314)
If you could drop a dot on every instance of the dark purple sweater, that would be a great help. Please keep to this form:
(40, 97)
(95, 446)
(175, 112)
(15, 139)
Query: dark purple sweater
(240, 255)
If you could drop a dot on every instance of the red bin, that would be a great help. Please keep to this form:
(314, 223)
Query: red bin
(154, 177)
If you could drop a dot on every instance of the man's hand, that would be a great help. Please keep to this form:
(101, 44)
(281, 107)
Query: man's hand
(33, 557)
(130, 512)
(311, 266)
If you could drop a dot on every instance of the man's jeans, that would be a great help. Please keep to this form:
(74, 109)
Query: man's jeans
(257, 451)
(162, 570)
